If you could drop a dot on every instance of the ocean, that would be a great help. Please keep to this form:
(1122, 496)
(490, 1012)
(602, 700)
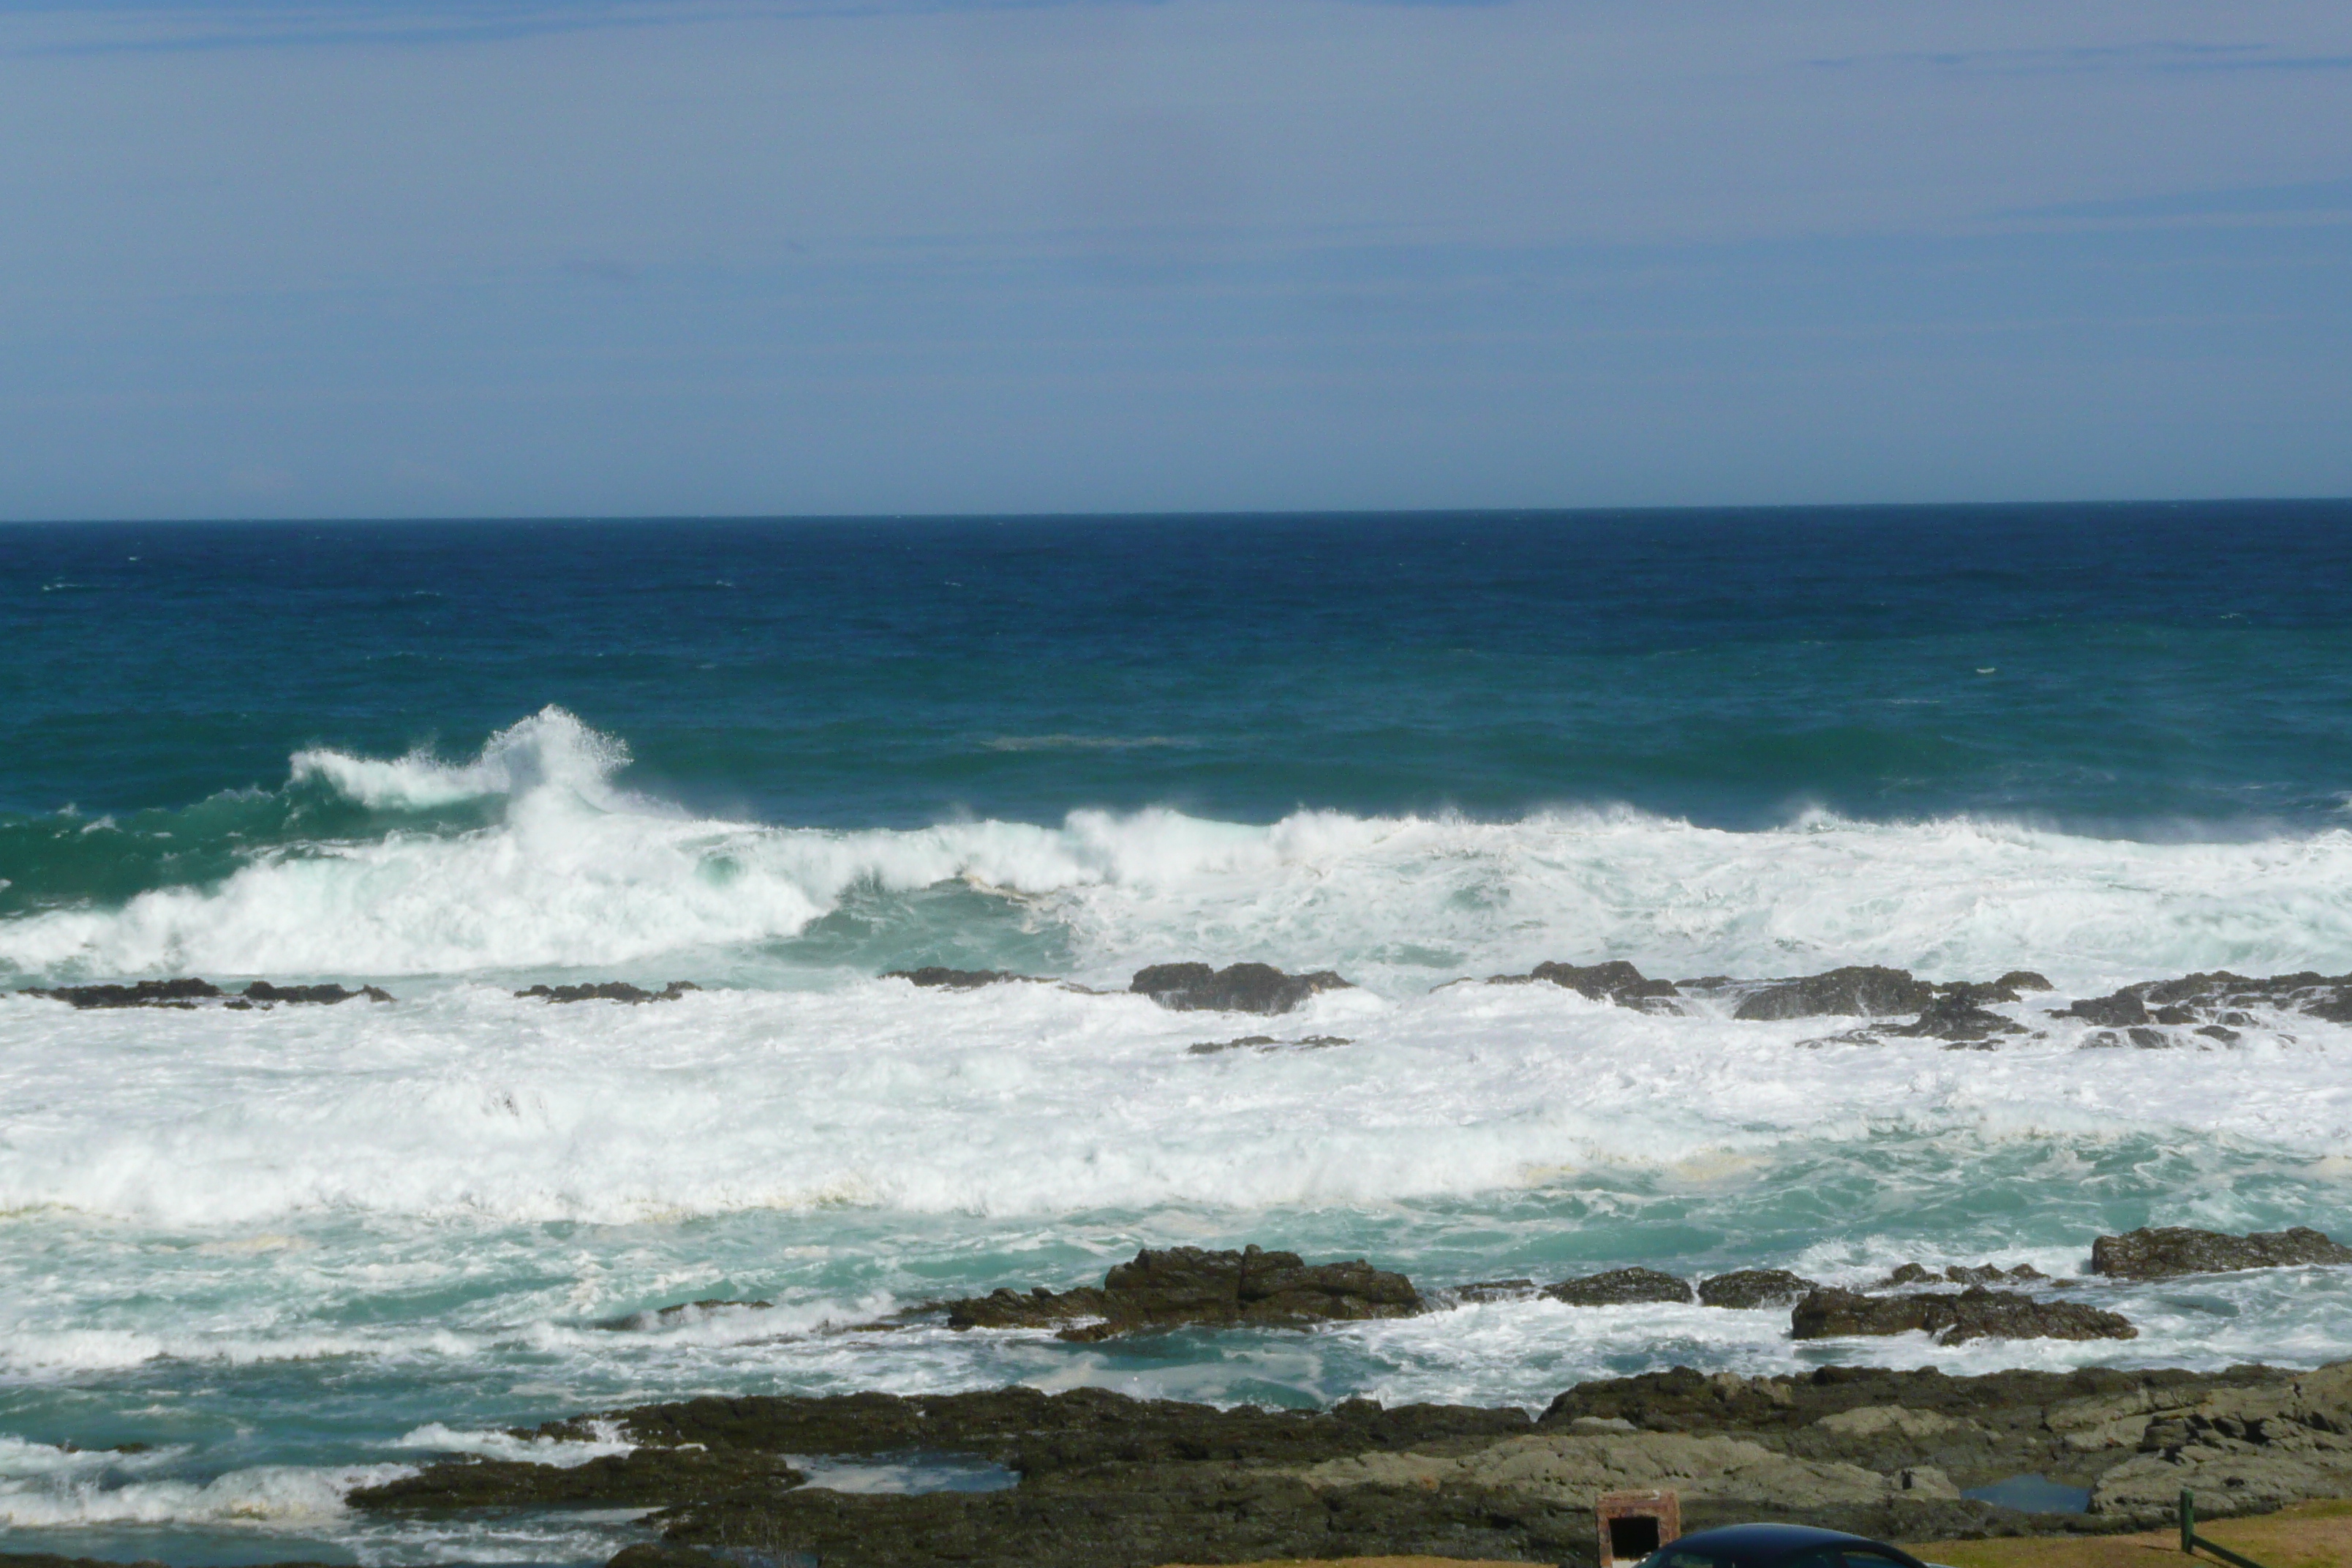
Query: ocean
(280, 1251)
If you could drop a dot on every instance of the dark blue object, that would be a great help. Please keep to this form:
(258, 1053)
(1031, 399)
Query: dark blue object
(1779, 1546)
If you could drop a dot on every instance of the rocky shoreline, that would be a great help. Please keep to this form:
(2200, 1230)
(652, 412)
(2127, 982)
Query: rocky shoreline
(1105, 1480)
(1108, 1481)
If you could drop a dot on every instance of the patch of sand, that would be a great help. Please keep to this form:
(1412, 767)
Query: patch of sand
(2312, 1535)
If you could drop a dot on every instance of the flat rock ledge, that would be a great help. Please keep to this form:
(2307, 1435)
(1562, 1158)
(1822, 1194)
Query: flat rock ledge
(1186, 1286)
(1108, 1481)
(1975, 1313)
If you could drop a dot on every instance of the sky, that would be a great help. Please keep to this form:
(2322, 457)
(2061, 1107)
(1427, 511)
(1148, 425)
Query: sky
(492, 257)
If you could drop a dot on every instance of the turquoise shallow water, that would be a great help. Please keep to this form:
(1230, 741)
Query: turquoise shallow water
(285, 1248)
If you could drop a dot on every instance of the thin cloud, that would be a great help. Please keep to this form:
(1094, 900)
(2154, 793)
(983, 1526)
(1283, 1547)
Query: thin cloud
(2167, 56)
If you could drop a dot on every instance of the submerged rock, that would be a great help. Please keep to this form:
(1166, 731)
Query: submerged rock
(1975, 1313)
(1262, 1043)
(2163, 1252)
(1865, 991)
(1236, 988)
(1619, 1288)
(610, 991)
(677, 1310)
(1747, 1288)
(1182, 1287)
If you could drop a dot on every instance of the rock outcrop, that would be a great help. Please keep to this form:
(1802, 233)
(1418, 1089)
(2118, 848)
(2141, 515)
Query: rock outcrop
(1236, 988)
(1975, 1313)
(2164, 1251)
(610, 991)
(1186, 1286)
(1855, 992)
(1620, 1288)
(1959, 1014)
(1748, 1289)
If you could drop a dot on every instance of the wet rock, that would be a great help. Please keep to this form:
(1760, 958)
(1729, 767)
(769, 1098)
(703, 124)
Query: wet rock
(936, 976)
(1748, 1289)
(1615, 980)
(1855, 992)
(1619, 1288)
(2165, 1251)
(610, 991)
(1236, 988)
(1959, 1014)
(1956, 1274)
(1039, 1433)
(1262, 1043)
(263, 991)
(1493, 1291)
(1950, 1320)
(1180, 1287)
(2218, 997)
(2023, 980)
(182, 992)
(641, 1478)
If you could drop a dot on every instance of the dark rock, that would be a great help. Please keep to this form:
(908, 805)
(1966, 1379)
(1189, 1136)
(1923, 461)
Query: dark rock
(184, 993)
(2023, 980)
(2165, 1251)
(1746, 1288)
(1975, 1313)
(1039, 1433)
(1959, 1014)
(1620, 1287)
(2217, 997)
(611, 991)
(1615, 980)
(1956, 1274)
(1236, 988)
(1183, 1287)
(263, 991)
(1262, 1043)
(936, 976)
(1861, 990)
(643, 1477)
(1493, 1291)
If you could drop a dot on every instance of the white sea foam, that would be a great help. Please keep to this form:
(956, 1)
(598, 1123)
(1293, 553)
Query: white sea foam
(266, 1496)
(575, 872)
(1022, 1099)
(493, 1443)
